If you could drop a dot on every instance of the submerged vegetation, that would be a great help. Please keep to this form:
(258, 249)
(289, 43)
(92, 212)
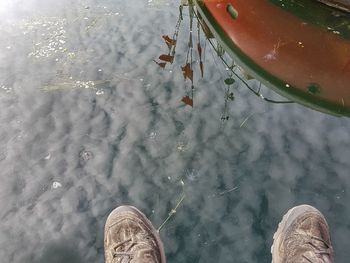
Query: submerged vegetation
(174, 210)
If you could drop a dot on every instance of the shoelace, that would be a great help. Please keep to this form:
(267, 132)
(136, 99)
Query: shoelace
(320, 251)
(127, 255)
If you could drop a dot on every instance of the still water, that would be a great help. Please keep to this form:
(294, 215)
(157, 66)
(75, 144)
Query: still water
(88, 121)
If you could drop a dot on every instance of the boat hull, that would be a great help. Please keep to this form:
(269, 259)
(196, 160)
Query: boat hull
(300, 60)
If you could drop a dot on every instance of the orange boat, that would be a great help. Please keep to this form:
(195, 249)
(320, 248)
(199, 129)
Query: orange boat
(301, 48)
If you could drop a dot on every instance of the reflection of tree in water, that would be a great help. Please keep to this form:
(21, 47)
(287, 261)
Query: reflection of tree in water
(234, 75)
(171, 43)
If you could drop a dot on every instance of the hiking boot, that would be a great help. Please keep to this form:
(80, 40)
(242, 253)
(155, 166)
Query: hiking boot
(131, 238)
(302, 237)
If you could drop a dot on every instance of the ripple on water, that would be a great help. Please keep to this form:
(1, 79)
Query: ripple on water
(85, 156)
(192, 174)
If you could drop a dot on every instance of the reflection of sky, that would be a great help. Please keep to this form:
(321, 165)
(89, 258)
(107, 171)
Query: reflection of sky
(69, 155)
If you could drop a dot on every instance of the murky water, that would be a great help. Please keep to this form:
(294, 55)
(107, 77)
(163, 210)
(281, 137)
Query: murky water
(90, 122)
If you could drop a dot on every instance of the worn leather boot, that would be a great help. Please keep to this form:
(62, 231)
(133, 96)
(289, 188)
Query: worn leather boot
(302, 237)
(131, 238)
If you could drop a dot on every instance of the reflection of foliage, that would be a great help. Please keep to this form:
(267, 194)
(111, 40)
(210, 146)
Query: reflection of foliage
(220, 51)
(229, 81)
(229, 96)
(187, 68)
(187, 100)
(171, 43)
(199, 48)
(187, 71)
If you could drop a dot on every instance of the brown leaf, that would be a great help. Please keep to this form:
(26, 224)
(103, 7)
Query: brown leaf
(187, 100)
(166, 58)
(201, 67)
(187, 71)
(169, 41)
(160, 64)
(199, 48)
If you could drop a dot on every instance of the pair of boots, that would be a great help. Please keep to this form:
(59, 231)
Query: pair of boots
(302, 237)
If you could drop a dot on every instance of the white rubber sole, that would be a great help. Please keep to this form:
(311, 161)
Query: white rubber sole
(286, 222)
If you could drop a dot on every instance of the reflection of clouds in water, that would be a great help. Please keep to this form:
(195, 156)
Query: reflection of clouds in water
(123, 146)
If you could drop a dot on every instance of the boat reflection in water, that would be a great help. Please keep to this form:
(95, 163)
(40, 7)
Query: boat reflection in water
(192, 59)
(300, 49)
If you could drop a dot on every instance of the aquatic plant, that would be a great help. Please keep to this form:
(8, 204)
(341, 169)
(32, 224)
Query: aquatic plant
(174, 210)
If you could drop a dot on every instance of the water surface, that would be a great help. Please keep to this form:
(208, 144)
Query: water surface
(89, 122)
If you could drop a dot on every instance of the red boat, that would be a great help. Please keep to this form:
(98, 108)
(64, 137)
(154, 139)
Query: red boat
(301, 48)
